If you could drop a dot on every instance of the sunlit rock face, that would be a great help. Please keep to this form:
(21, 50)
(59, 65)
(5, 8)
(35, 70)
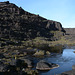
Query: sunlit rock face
(16, 23)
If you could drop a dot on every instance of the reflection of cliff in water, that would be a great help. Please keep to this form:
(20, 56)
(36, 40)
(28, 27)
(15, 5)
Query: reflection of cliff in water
(55, 49)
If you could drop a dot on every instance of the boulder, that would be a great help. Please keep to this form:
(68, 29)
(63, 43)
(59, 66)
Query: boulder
(43, 65)
(21, 63)
(13, 62)
(18, 63)
(39, 53)
(28, 62)
(6, 67)
(48, 53)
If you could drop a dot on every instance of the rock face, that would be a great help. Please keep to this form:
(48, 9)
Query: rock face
(15, 23)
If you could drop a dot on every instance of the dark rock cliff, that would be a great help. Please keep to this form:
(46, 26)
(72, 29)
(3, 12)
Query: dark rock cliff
(15, 23)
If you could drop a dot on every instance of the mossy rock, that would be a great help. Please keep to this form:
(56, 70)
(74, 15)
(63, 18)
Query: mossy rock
(39, 53)
(48, 53)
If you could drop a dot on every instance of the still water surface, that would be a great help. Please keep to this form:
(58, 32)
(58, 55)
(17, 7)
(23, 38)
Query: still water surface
(64, 60)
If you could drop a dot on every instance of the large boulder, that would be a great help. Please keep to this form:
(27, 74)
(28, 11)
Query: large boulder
(21, 63)
(18, 63)
(28, 62)
(43, 65)
(6, 67)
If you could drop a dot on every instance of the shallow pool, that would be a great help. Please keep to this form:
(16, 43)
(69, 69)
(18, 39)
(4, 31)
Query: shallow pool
(65, 61)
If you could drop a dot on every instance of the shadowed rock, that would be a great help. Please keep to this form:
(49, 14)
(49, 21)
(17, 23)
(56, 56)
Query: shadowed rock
(21, 63)
(28, 62)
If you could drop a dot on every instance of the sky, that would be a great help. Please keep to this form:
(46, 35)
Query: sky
(62, 11)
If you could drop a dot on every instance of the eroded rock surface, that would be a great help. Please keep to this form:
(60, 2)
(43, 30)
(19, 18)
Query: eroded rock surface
(43, 65)
(18, 24)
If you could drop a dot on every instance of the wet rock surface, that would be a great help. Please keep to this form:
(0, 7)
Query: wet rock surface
(43, 65)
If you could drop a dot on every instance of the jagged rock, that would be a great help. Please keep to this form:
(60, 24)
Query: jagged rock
(43, 65)
(15, 23)
(28, 62)
(21, 63)
(18, 63)
(39, 53)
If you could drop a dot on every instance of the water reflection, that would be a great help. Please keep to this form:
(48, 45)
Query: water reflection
(65, 61)
(69, 54)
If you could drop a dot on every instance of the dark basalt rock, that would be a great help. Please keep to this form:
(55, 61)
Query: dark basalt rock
(18, 63)
(1, 66)
(21, 63)
(4, 67)
(2, 56)
(28, 62)
(15, 23)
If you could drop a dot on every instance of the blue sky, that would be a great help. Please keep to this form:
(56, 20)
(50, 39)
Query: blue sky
(58, 10)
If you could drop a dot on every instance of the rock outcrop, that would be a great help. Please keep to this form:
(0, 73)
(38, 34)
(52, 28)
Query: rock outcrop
(15, 23)
(43, 65)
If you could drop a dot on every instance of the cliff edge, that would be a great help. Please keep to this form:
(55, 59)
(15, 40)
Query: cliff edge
(19, 24)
